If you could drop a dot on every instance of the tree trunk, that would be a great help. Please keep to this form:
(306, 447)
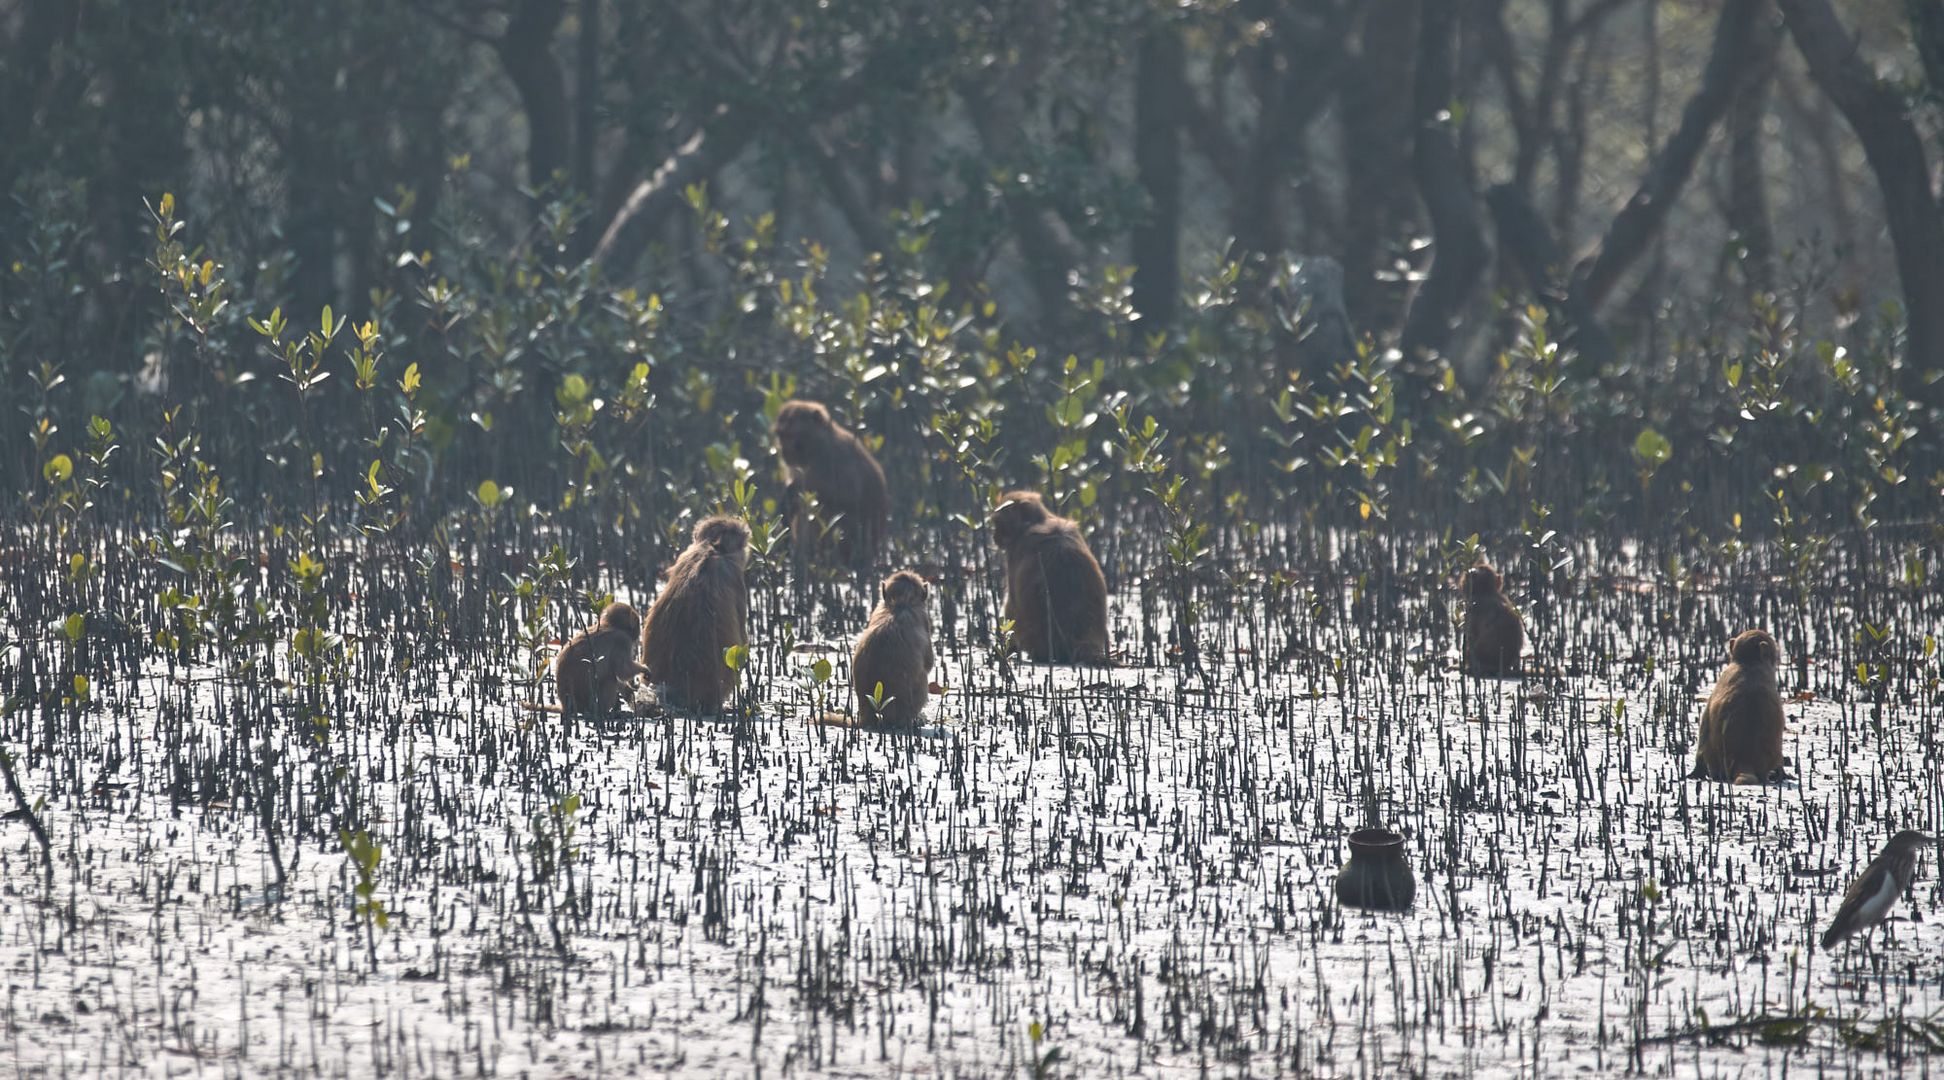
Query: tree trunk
(25, 74)
(863, 218)
(526, 51)
(1045, 245)
(1459, 255)
(1896, 154)
(1376, 155)
(1927, 30)
(1256, 213)
(1158, 92)
(1748, 204)
(587, 97)
(1524, 239)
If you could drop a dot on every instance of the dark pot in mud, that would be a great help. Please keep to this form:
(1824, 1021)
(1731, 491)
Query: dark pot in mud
(1376, 877)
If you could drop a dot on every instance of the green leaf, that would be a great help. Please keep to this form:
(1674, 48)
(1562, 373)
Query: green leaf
(74, 626)
(1652, 448)
(58, 469)
(488, 494)
(735, 656)
(820, 670)
(80, 688)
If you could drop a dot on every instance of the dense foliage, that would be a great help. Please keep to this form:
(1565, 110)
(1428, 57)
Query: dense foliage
(276, 281)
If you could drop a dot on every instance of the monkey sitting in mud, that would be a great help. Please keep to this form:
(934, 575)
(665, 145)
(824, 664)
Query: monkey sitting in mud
(700, 614)
(1494, 634)
(1056, 595)
(893, 659)
(825, 459)
(593, 669)
(1741, 727)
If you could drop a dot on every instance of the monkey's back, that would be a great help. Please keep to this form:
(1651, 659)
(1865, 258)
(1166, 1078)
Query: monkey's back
(1494, 636)
(1056, 595)
(850, 482)
(586, 666)
(1741, 727)
(698, 616)
(895, 650)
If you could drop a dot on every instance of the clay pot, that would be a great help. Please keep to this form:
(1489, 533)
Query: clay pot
(1377, 877)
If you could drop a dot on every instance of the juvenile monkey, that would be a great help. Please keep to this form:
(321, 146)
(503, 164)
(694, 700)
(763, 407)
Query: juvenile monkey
(590, 673)
(1056, 595)
(823, 458)
(1494, 635)
(700, 613)
(1741, 727)
(895, 652)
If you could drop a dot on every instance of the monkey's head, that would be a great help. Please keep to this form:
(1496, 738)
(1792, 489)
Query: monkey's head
(1481, 581)
(904, 589)
(728, 536)
(619, 616)
(801, 427)
(1753, 647)
(1018, 512)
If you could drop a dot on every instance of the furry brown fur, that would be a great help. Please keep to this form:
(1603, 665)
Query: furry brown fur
(699, 614)
(1494, 634)
(593, 669)
(1741, 727)
(895, 652)
(1056, 595)
(826, 460)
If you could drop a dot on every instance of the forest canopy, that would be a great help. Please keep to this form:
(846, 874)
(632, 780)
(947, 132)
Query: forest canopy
(1222, 199)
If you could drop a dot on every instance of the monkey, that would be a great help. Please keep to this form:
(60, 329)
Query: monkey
(894, 652)
(591, 671)
(825, 459)
(699, 614)
(1494, 635)
(1741, 727)
(1056, 595)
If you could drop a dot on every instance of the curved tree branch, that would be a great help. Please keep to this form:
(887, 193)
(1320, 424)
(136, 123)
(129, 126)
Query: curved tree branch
(1896, 154)
(1736, 46)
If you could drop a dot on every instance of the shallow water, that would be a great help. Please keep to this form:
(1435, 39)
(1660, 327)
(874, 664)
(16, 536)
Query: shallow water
(1139, 861)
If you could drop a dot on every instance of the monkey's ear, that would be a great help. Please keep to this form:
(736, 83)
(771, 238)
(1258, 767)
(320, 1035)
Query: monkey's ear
(1770, 653)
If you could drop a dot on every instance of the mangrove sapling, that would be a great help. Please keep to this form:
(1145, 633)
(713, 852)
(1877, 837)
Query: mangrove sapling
(30, 813)
(1069, 467)
(361, 855)
(1185, 544)
(553, 853)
